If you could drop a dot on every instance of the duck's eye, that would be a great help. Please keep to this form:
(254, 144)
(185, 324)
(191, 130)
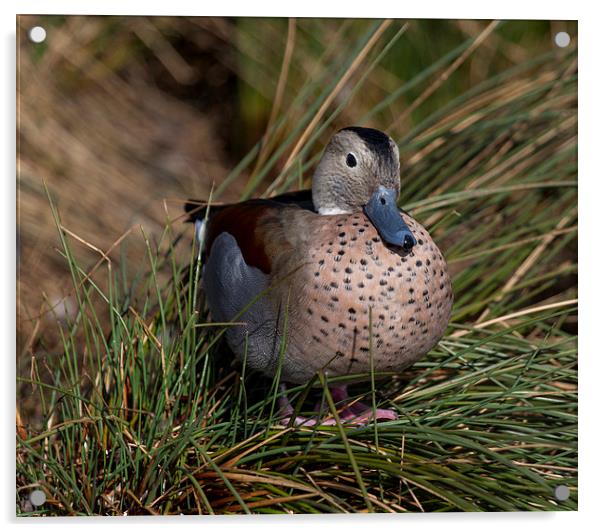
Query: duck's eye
(351, 160)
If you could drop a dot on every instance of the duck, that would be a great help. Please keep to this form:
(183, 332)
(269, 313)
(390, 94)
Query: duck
(334, 280)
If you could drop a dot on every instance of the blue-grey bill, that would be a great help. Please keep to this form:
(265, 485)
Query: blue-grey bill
(384, 214)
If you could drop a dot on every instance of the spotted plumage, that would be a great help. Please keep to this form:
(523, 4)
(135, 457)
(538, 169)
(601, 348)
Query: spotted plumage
(333, 281)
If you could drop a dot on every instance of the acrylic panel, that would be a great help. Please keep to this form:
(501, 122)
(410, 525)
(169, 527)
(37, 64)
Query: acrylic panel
(310, 266)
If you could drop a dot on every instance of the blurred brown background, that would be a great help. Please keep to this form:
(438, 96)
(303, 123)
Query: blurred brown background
(111, 118)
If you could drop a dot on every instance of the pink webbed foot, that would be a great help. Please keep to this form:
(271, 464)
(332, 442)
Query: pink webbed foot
(356, 413)
(287, 412)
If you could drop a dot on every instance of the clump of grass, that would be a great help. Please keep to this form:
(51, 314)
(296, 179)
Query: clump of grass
(147, 414)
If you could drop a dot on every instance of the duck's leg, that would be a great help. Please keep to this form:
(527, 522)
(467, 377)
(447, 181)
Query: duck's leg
(357, 412)
(287, 411)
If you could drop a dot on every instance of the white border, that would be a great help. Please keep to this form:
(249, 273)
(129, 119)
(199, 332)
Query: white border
(590, 250)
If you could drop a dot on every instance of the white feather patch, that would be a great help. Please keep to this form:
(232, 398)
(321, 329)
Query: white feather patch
(200, 228)
(328, 211)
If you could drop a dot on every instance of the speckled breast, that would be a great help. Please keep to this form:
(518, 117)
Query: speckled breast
(360, 296)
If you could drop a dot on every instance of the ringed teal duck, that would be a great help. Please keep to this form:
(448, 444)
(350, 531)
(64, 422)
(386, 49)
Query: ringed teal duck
(323, 270)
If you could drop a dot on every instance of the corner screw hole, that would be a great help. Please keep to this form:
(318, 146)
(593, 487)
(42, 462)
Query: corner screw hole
(37, 34)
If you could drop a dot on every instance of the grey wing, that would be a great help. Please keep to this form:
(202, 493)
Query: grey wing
(238, 292)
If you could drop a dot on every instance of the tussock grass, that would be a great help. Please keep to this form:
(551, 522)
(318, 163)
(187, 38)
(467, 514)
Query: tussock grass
(147, 413)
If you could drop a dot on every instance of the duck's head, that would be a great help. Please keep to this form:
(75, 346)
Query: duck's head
(359, 170)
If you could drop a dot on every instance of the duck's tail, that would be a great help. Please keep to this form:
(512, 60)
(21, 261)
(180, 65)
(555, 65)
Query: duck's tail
(197, 209)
